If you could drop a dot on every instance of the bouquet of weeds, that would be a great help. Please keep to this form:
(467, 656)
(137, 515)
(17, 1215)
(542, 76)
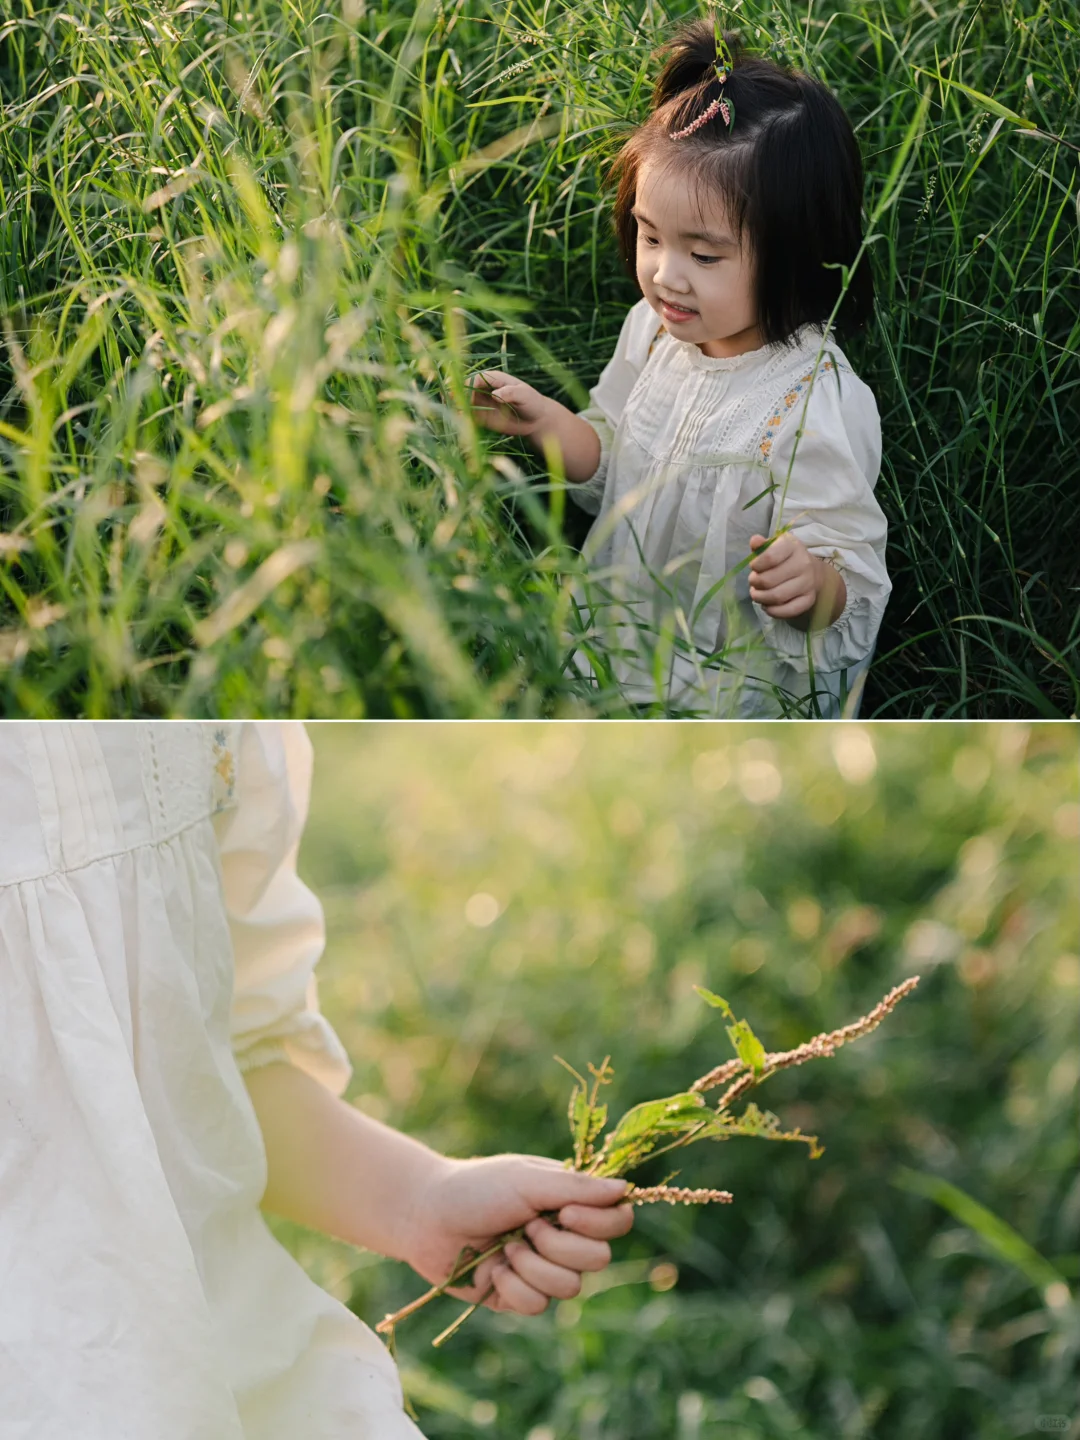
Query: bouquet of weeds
(656, 1127)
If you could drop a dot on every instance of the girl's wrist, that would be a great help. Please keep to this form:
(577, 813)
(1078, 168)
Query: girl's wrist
(420, 1202)
(828, 584)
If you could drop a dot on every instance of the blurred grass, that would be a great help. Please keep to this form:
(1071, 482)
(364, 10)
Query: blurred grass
(499, 894)
(248, 255)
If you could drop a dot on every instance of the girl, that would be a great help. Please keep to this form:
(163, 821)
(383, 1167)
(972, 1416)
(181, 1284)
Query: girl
(156, 944)
(727, 413)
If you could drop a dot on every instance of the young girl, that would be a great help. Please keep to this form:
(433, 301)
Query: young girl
(727, 413)
(155, 942)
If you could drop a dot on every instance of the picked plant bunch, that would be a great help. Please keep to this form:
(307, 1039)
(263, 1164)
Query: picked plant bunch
(657, 1127)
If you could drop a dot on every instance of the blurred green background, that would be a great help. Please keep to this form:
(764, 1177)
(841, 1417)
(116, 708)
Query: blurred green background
(499, 893)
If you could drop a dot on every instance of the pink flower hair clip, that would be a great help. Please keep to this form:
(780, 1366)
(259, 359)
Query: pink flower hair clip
(721, 104)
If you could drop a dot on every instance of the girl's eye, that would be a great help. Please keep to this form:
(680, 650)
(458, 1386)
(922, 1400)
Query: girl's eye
(705, 259)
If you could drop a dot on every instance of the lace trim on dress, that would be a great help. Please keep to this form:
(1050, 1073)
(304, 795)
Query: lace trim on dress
(787, 400)
(703, 429)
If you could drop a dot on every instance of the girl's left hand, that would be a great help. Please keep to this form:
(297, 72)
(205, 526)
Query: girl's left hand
(789, 583)
(472, 1202)
(782, 578)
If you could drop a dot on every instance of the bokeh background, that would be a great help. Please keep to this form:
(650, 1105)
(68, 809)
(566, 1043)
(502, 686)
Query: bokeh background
(498, 894)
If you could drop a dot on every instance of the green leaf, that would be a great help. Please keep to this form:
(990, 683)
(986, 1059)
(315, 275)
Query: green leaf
(758, 1122)
(579, 1116)
(747, 1046)
(764, 1125)
(716, 1001)
(986, 101)
(666, 1114)
(642, 1128)
(999, 1235)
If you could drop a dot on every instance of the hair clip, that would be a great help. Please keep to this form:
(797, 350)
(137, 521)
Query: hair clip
(721, 104)
(705, 116)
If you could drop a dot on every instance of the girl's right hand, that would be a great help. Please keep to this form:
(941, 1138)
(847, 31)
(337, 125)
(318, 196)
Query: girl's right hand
(501, 402)
(472, 1202)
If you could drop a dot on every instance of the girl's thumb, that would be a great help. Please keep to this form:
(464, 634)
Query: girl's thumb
(569, 1187)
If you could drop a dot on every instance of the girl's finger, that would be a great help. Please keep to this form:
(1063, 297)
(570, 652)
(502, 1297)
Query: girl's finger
(552, 1187)
(779, 592)
(515, 1293)
(766, 579)
(789, 610)
(775, 555)
(601, 1223)
(543, 1275)
(564, 1247)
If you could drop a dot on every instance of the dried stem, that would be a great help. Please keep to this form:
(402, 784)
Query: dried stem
(820, 1046)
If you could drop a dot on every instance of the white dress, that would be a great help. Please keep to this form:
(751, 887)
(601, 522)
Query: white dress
(142, 1295)
(695, 454)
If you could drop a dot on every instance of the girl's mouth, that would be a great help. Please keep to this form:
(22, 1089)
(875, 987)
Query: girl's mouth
(674, 312)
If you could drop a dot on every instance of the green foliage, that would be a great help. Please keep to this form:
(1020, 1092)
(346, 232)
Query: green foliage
(249, 255)
(747, 1046)
(1001, 1238)
(587, 1118)
(643, 1127)
(799, 872)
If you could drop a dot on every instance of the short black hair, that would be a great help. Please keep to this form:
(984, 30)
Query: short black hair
(787, 170)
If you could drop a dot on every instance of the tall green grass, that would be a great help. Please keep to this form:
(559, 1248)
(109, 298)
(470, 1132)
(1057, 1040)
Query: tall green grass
(249, 254)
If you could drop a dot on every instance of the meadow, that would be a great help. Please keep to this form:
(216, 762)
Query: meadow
(250, 251)
(499, 895)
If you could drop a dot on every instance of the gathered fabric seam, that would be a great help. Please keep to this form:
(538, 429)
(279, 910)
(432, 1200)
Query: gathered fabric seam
(109, 855)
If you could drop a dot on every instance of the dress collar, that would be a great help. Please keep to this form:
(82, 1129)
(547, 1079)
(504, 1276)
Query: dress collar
(749, 359)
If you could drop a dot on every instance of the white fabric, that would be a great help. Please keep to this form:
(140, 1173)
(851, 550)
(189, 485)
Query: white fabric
(142, 1295)
(690, 446)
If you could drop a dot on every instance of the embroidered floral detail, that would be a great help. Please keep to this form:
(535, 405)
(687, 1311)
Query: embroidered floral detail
(773, 422)
(224, 771)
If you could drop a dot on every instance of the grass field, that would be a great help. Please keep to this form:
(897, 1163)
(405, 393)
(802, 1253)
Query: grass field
(496, 895)
(250, 251)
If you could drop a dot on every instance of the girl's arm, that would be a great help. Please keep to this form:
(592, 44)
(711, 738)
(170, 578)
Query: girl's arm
(337, 1170)
(504, 403)
(573, 437)
(329, 1165)
(508, 405)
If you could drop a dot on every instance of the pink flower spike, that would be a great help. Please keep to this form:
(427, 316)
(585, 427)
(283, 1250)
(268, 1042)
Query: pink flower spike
(725, 111)
(705, 116)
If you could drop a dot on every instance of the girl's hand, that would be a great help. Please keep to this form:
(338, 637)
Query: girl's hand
(472, 1202)
(787, 581)
(501, 402)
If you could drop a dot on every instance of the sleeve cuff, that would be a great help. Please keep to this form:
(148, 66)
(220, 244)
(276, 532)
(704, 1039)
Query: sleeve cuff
(588, 495)
(847, 641)
(311, 1045)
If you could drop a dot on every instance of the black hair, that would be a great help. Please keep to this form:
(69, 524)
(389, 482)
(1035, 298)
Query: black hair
(787, 170)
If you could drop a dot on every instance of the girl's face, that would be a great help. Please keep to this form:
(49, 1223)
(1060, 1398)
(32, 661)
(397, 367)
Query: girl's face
(696, 260)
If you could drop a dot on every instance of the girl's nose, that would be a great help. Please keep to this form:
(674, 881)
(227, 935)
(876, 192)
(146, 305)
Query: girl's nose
(666, 274)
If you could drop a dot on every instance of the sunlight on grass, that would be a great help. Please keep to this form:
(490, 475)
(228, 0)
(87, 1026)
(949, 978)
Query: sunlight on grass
(249, 255)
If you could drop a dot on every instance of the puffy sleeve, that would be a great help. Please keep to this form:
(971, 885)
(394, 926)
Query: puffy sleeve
(276, 922)
(830, 506)
(607, 398)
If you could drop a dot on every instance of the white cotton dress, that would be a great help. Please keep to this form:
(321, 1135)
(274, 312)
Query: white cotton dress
(695, 453)
(154, 939)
